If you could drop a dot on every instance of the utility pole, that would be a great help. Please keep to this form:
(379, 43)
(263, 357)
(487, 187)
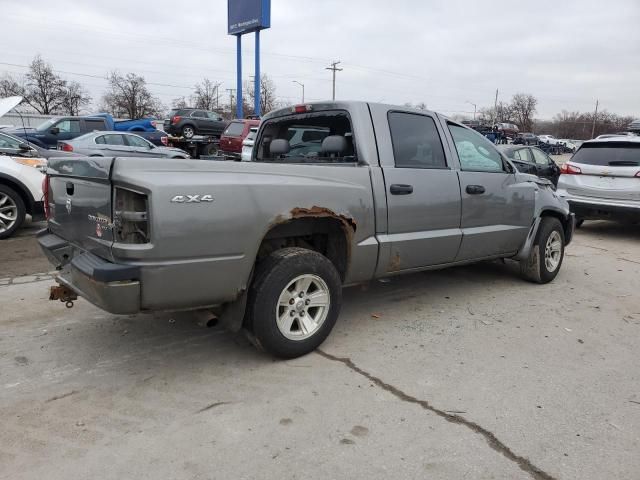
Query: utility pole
(495, 108)
(218, 95)
(334, 68)
(595, 115)
(231, 90)
(302, 85)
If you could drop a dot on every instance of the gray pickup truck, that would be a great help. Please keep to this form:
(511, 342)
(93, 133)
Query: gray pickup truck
(336, 194)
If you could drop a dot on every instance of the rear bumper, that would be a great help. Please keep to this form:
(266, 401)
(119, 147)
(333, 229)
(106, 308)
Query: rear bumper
(600, 208)
(113, 287)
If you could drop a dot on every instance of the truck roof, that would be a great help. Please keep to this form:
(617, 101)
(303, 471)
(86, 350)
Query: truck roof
(338, 105)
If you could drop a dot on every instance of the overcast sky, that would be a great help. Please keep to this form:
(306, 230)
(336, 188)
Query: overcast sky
(445, 53)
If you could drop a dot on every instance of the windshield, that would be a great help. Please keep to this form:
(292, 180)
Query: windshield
(614, 154)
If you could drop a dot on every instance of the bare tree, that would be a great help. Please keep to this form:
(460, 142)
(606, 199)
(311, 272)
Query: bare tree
(11, 86)
(180, 102)
(75, 98)
(205, 95)
(523, 106)
(43, 89)
(128, 95)
(268, 99)
(501, 113)
(578, 125)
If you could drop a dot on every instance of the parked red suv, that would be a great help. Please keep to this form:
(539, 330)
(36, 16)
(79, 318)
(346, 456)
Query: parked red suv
(234, 134)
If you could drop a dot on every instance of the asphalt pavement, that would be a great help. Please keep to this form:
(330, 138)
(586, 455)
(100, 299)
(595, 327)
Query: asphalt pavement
(464, 373)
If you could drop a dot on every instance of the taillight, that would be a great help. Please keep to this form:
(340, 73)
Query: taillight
(164, 140)
(175, 119)
(131, 217)
(568, 169)
(302, 108)
(45, 196)
(65, 147)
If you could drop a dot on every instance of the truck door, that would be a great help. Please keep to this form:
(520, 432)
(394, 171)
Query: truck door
(423, 193)
(62, 130)
(497, 210)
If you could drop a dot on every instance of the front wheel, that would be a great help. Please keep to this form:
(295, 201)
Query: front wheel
(547, 252)
(294, 301)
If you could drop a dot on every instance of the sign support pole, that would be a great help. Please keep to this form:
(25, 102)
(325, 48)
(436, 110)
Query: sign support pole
(257, 81)
(239, 77)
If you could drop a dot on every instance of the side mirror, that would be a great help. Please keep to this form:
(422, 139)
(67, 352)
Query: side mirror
(54, 131)
(24, 147)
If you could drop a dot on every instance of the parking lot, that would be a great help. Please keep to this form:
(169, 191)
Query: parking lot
(464, 373)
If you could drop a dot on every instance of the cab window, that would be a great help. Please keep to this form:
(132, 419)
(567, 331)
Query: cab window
(476, 153)
(69, 126)
(416, 141)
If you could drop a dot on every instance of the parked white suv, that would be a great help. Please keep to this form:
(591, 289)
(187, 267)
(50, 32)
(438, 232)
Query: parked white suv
(602, 180)
(20, 191)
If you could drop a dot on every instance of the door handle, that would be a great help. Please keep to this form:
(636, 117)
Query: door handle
(475, 189)
(400, 189)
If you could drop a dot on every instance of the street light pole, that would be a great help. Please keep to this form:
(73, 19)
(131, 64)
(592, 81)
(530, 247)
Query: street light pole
(302, 85)
(475, 108)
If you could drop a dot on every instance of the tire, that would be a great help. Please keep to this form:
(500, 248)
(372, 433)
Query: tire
(546, 256)
(579, 222)
(188, 131)
(12, 211)
(279, 317)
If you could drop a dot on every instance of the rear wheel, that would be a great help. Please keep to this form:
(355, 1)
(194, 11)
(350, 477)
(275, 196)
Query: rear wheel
(12, 211)
(547, 253)
(294, 302)
(579, 222)
(188, 131)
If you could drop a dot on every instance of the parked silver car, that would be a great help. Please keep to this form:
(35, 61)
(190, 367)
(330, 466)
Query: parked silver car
(118, 144)
(602, 179)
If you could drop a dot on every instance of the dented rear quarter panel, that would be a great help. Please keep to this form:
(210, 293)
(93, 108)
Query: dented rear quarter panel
(203, 253)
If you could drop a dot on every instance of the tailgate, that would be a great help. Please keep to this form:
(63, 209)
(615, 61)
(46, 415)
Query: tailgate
(610, 181)
(80, 200)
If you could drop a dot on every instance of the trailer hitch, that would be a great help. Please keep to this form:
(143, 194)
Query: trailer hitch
(64, 294)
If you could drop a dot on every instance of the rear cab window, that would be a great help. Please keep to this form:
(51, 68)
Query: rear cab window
(315, 137)
(613, 154)
(93, 125)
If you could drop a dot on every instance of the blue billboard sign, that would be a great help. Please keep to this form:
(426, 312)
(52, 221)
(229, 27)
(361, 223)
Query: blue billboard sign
(246, 16)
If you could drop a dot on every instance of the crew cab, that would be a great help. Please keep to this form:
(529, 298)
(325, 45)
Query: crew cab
(267, 245)
(59, 129)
